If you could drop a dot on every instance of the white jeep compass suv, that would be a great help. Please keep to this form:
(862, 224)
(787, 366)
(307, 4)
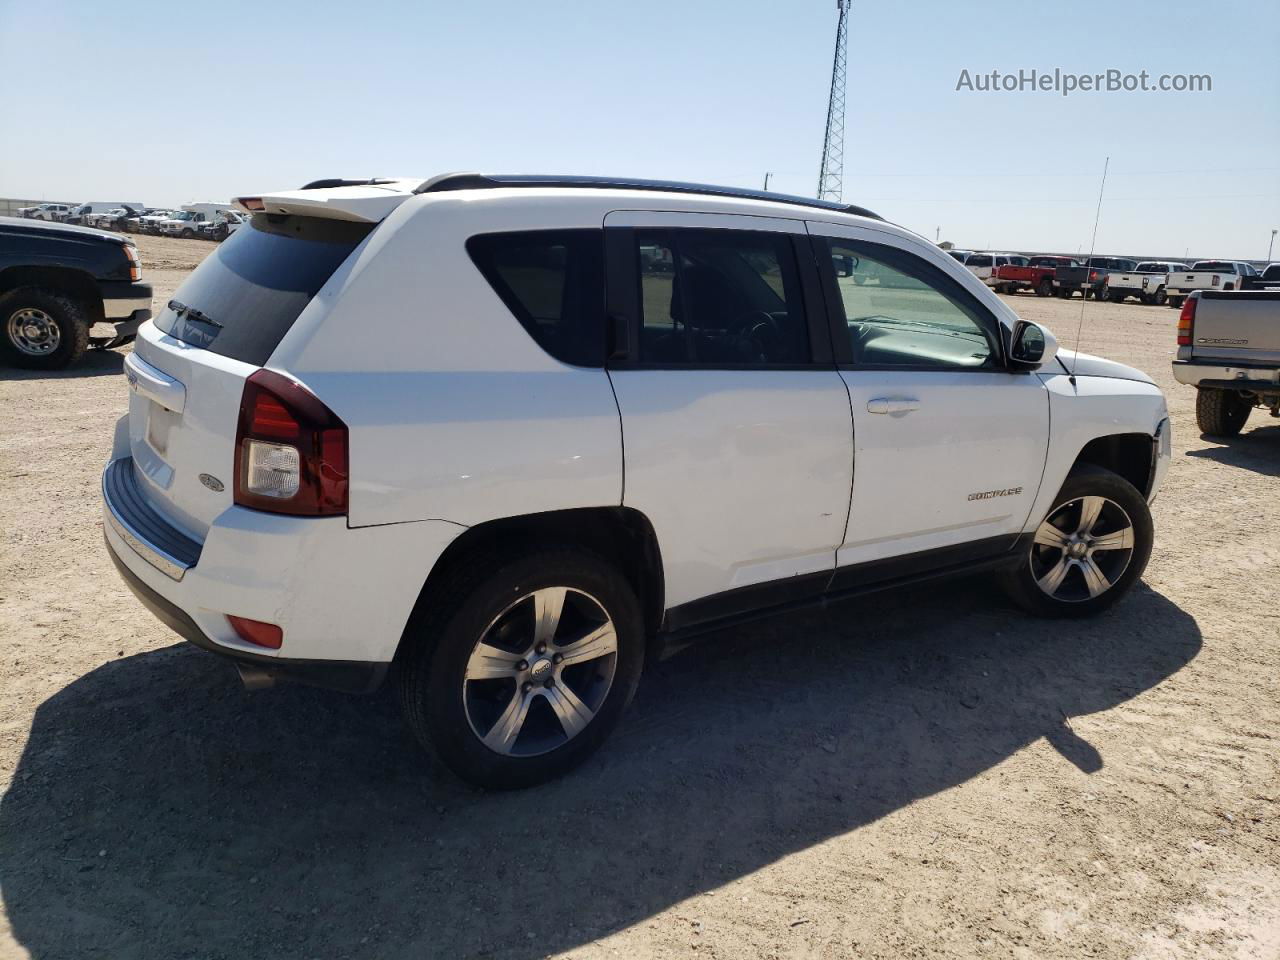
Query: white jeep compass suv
(510, 434)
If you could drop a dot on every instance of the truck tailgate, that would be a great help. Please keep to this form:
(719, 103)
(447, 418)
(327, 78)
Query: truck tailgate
(1243, 326)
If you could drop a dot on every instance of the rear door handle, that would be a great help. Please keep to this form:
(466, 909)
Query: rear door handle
(893, 405)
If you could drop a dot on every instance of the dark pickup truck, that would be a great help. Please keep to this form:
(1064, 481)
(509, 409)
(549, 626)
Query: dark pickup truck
(65, 289)
(1088, 280)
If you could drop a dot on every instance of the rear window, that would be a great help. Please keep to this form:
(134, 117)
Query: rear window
(981, 260)
(553, 281)
(244, 297)
(1220, 266)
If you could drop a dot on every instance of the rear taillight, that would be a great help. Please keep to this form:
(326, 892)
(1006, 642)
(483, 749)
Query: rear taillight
(1213, 281)
(1093, 276)
(291, 450)
(1186, 321)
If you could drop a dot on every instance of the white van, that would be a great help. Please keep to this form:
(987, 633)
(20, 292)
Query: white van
(187, 223)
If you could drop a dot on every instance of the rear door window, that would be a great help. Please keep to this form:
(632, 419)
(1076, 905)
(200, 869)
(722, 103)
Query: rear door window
(244, 297)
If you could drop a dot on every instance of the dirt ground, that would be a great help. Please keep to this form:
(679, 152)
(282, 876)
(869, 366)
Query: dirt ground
(921, 773)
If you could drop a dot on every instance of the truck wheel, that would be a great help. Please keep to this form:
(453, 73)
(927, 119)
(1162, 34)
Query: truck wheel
(1044, 288)
(1160, 297)
(1220, 413)
(42, 330)
(1174, 302)
(1091, 547)
(187, 233)
(526, 669)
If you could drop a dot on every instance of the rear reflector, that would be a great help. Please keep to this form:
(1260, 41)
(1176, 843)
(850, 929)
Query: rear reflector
(291, 450)
(1187, 321)
(256, 632)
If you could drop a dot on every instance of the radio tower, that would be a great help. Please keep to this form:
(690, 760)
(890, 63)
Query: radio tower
(832, 172)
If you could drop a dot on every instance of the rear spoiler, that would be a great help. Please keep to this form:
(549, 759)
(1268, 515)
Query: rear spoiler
(359, 201)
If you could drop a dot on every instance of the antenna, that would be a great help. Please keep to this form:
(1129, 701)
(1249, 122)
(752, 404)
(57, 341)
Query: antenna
(831, 174)
(1093, 243)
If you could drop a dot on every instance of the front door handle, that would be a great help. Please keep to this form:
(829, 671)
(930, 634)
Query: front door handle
(893, 405)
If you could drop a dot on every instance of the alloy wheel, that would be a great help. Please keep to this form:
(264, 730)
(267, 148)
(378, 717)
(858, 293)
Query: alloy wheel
(540, 672)
(34, 332)
(1082, 549)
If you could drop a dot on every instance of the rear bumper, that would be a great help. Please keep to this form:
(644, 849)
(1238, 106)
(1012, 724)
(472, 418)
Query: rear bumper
(341, 596)
(350, 676)
(1221, 376)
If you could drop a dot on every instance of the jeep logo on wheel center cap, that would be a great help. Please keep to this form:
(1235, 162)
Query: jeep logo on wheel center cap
(540, 670)
(212, 482)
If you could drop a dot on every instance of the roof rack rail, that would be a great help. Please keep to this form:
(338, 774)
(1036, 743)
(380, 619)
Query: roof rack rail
(482, 181)
(339, 182)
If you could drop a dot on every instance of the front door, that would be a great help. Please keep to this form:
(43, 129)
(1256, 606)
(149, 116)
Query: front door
(737, 436)
(950, 445)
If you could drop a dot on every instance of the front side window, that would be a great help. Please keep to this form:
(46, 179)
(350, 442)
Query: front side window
(900, 311)
(553, 281)
(720, 298)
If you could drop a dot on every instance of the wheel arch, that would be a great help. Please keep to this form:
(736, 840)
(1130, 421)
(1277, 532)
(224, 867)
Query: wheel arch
(622, 535)
(61, 281)
(1130, 455)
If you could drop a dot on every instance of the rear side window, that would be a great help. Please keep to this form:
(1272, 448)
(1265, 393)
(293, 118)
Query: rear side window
(244, 297)
(982, 260)
(553, 282)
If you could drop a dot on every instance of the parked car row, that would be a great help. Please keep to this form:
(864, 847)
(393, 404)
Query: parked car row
(1115, 279)
(210, 221)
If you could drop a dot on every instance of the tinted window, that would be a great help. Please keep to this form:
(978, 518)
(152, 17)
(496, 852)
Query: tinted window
(978, 260)
(720, 297)
(1018, 261)
(1218, 266)
(244, 296)
(902, 311)
(553, 281)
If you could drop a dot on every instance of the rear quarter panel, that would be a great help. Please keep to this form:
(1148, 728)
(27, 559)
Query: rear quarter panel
(454, 412)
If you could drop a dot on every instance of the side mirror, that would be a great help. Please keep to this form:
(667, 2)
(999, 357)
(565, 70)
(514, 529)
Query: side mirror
(1031, 346)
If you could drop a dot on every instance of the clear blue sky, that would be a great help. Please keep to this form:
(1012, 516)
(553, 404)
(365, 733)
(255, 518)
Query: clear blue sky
(169, 101)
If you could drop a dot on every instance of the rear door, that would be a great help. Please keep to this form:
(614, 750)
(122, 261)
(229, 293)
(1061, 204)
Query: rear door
(737, 434)
(188, 368)
(949, 445)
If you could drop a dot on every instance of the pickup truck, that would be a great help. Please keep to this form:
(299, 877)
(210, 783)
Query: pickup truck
(1088, 280)
(60, 285)
(1229, 350)
(1146, 281)
(1037, 274)
(1211, 275)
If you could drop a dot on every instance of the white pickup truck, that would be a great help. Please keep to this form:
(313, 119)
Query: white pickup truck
(1229, 350)
(1210, 275)
(1148, 281)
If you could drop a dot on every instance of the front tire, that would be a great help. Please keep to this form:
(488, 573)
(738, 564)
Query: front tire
(1221, 413)
(526, 666)
(42, 330)
(1090, 549)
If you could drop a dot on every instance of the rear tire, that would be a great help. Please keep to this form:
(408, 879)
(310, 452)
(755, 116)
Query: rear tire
(1044, 288)
(531, 717)
(42, 330)
(1220, 413)
(1174, 302)
(1109, 519)
(1160, 297)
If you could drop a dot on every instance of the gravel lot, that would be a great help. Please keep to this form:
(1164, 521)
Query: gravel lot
(923, 773)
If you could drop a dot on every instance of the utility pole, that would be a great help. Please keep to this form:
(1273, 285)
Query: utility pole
(937, 234)
(766, 180)
(1270, 245)
(831, 174)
